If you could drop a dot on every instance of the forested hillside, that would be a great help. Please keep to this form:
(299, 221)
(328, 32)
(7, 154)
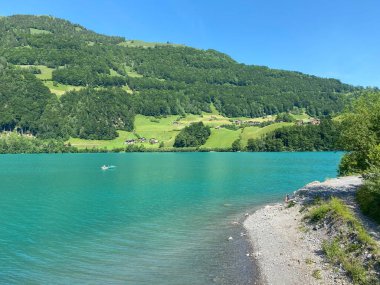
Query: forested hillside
(60, 80)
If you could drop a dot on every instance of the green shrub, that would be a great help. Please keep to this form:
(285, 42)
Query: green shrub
(352, 163)
(368, 196)
(231, 127)
(374, 156)
(236, 145)
(284, 117)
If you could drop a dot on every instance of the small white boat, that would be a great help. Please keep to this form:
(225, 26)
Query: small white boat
(106, 167)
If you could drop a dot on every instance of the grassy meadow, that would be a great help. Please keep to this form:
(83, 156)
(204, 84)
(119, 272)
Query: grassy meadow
(221, 138)
(165, 130)
(257, 132)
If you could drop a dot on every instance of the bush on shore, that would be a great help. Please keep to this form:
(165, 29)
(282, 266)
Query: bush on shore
(368, 195)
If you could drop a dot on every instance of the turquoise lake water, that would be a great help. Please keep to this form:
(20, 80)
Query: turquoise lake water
(157, 218)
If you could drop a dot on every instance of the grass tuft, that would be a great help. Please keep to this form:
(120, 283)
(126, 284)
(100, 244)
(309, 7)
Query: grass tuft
(318, 213)
(309, 261)
(336, 254)
(290, 204)
(317, 274)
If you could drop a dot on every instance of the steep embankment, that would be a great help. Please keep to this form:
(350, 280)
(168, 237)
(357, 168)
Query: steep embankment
(312, 241)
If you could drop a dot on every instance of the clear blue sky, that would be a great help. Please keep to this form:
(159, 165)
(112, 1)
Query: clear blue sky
(328, 38)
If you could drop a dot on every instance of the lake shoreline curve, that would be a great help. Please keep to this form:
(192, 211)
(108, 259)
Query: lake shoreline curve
(284, 250)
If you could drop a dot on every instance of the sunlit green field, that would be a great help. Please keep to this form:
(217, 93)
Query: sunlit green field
(34, 31)
(46, 72)
(167, 128)
(303, 116)
(161, 129)
(60, 89)
(107, 144)
(256, 132)
(221, 138)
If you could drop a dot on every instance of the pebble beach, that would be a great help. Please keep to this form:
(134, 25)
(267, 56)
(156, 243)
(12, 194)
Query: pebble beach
(284, 250)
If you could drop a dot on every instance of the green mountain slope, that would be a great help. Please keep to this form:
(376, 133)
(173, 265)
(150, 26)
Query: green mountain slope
(99, 83)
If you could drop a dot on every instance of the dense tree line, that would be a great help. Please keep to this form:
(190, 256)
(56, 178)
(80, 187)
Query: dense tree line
(194, 135)
(323, 137)
(15, 143)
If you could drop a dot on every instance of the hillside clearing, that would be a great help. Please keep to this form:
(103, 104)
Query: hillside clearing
(60, 89)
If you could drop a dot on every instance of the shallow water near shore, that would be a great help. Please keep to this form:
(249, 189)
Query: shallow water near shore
(157, 218)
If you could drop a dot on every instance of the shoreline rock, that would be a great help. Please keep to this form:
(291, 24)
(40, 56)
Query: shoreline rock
(341, 187)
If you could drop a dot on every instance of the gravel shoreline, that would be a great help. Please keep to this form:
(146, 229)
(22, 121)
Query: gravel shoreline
(284, 251)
